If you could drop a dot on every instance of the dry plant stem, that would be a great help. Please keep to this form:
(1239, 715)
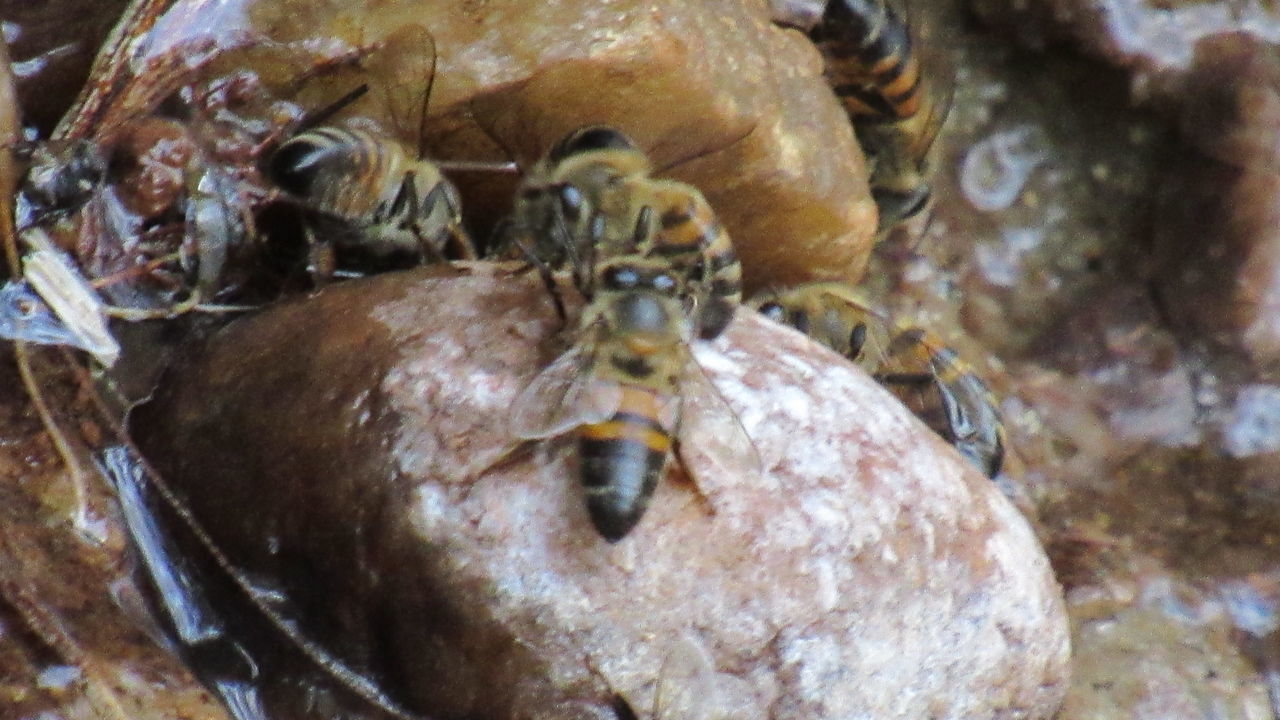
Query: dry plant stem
(9, 133)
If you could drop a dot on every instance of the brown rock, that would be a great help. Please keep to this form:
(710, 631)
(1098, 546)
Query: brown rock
(717, 94)
(354, 449)
(1218, 249)
(1154, 40)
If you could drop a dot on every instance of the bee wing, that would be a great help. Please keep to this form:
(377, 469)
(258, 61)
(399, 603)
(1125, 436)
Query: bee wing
(563, 396)
(686, 684)
(404, 69)
(932, 45)
(712, 440)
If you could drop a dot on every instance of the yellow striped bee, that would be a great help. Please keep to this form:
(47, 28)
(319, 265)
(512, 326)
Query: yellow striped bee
(592, 196)
(368, 191)
(874, 66)
(915, 365)
(629, 386)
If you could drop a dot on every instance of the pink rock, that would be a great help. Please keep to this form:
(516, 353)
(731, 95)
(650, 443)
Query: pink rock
(354, 448)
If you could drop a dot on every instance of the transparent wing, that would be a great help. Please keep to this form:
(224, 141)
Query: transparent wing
(686, 684)
(712, 439)
(403, 71)
(563, 396)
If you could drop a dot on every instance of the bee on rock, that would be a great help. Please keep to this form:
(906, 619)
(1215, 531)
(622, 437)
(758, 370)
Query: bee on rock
(632, 390)
(874, 64)
(367, 191)
(929, 377)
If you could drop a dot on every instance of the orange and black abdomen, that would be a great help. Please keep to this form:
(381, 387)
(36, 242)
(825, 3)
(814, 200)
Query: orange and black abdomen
(944, 392)
(871, 63)
(690, 234)
(622, 460)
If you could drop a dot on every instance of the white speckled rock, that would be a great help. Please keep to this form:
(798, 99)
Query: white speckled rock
(348, 442)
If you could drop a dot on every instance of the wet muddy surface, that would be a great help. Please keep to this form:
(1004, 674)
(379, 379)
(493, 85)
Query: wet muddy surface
(1101, 250)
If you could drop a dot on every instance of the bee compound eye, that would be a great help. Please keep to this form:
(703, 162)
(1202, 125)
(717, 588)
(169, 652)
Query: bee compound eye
(587, 139)
(774, 311)
(857, 338)
(293, 166)
(664, 283)
(621, 278)
(571, 201)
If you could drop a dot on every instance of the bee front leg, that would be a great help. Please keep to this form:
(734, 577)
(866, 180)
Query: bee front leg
(410, 206)
(321, 259)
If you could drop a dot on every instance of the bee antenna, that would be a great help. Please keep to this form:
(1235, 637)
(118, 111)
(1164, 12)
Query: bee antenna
(751, 128)
(323, 114)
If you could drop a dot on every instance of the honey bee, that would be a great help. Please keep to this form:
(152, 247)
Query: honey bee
(874, 66)
(592, 196)
(369, 191)
(631, 389)
(914, 364)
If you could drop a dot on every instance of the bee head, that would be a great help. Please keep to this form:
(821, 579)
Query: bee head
(588, 139)
(898, 206)
(293, 167)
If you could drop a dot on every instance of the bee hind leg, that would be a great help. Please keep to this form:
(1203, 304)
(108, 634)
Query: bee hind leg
(689, 478)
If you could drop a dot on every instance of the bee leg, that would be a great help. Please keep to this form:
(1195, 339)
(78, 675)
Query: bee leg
(459, 238)
(714, 317)
(544, 272)
(407, 205)
(501, 240)
(321, 261)
(686, 470)
(140, 314)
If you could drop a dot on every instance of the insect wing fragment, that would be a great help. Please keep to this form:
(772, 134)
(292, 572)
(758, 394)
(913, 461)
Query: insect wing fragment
(55, 279)
(405, 61)
(563, 396)
(712, 439)
(686, 684)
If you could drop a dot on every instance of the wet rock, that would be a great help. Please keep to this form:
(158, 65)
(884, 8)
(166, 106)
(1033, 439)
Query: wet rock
(75, 638)
(1150, 643)
(1155, 41)
(1218, 257)
(353, 451)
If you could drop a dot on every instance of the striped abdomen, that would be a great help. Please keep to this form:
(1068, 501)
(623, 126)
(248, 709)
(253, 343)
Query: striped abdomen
(622, 459)
(926, 375)
(871, 63)
(944, 392)
(346, 173)
(393, 202)
(692, 237)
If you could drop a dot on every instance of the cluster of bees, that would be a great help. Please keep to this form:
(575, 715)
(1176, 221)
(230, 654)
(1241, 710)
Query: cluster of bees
(656, 268)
